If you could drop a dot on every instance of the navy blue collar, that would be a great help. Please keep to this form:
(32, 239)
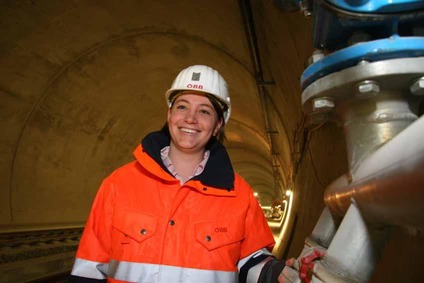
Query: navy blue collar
(218, 171)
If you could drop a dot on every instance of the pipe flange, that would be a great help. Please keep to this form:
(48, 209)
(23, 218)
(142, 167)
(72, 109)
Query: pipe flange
(365, 81)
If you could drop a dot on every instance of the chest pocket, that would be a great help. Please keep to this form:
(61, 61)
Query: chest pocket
(135, 225)
(216, 234)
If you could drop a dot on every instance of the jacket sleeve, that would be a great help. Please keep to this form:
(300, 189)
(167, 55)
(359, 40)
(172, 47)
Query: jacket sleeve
(257, 234)
(257, 244)
(93, 254)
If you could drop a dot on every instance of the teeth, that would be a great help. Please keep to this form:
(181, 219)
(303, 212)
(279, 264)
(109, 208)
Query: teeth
(188, 131)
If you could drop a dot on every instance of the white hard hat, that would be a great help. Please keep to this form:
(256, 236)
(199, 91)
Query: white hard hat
(203, 79)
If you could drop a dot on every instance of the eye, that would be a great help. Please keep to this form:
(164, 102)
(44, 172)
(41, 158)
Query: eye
(205, 112)
(181, 107)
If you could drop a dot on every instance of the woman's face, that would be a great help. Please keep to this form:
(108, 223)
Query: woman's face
(192, 121)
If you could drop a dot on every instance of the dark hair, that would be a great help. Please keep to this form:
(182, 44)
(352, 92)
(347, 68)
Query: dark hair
(220, 113)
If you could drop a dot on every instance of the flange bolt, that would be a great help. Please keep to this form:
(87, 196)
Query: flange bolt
(322, 104)
(417, 88)
(367, 89)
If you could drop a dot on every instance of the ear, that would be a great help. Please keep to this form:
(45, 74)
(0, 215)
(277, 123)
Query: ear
(218, 127)
(168, 115)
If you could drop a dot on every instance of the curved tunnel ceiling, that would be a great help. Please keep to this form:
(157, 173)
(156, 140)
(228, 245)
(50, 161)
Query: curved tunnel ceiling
(83, 82)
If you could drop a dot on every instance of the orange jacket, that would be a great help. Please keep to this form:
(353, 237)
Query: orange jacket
(145, 226)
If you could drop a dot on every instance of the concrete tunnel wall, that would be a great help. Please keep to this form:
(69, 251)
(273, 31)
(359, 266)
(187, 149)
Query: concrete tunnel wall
(91, 84)
(81, 82)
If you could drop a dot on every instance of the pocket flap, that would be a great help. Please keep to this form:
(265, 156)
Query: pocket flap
(213, 235)
(135, 224)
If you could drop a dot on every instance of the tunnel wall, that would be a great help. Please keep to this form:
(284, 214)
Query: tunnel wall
(79, 80)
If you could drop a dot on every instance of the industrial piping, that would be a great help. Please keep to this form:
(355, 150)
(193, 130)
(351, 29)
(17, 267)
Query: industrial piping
(388, 185)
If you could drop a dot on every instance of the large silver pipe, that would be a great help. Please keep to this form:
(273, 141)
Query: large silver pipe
(371, 122)
(378, 103)
(353, 252)
(389, 185)
(324, 230)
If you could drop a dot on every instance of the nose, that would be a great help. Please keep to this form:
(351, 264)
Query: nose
(191, 117)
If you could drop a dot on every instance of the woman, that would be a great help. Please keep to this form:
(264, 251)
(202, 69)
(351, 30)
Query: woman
(179, 213)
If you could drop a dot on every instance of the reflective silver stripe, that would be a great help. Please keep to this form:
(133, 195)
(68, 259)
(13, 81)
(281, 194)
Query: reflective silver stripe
(242, 261)
(154, 273)
(254, 271)
(90, 269)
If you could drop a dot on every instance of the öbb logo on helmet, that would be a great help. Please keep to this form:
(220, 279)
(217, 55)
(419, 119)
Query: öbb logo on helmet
(196, 86)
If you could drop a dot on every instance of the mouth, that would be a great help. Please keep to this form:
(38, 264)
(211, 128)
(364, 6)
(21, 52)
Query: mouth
(188, 131)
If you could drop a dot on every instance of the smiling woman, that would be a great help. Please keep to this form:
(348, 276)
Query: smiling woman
(192, 121)
(179, 213)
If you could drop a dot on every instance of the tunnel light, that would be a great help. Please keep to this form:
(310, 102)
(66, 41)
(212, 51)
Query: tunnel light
(255, 194)
(288, 193)
(280, 227)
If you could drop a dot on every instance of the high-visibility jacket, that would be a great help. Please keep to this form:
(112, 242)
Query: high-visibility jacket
(144, 226)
